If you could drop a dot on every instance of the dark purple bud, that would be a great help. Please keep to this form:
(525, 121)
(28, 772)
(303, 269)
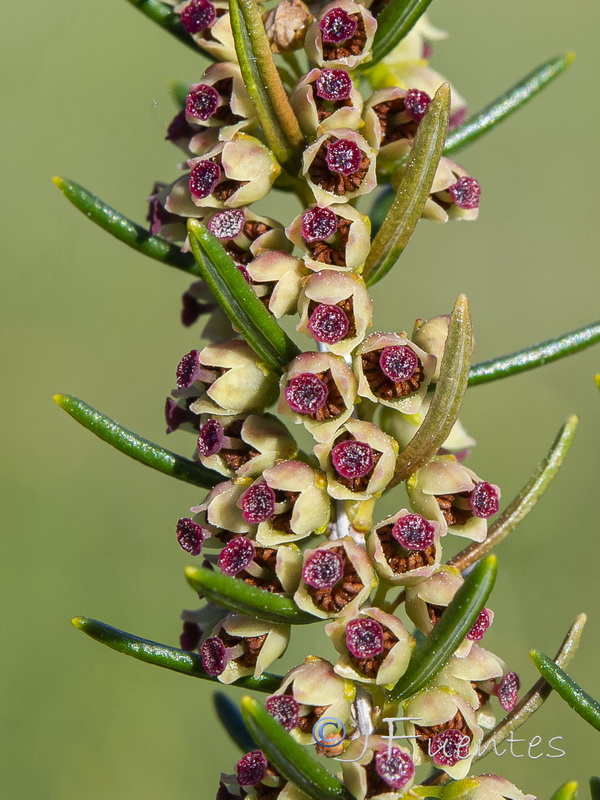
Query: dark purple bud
(236, 555)
(258, 503)
(191, 309)
(205, 175)
(188, 370)
(416, 104)
(480, 626)
(508, 691)
(364, 637)
(485, 500)
(227, 224)
(214, 656)
(414, 532)
(285, 709)
(352, 459)
(306, 393)
(334, 84)
(328, 324)
(337, 26)
(465, 192)
(202, 102)
(190, 536)
(343, 156)
(175, 416)
(449, 747)
(196, 16)
(394, 766)
(318, 224)
(398, 362)
(211, 438)
(190, 636)
(179, 128)
(251, 768)
(323, 569)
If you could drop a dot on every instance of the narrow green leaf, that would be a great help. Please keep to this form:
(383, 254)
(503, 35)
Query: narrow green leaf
(507, 103)
(290, 758)
(263, 83)
(525, 501)
(568, 791)
(449, 632)
(413, 191)
(535, 355)
(595, 788)
(395, 20)
(164, 656)
(125, 229)
(134, 446)
(239, 596)
(231, 290)
(564, 686)
(447, 399)
(232, 720)
(164, 16)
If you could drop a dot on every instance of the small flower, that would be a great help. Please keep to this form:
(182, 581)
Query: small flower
(335, 237)
(341, 36)
(246, 235)
(335, 309)
(380, 772)
(447, 734)
(227, 366)
(507, 691)
(276, 278)
(454, 194)
(178, 415)
(220, 507)
(208, 24)
(220, 100)
(430, 335)
(286, 25)
(447, 491)
(251, 768)
(374, 647)
(325, 99)
(319, 391)
(339, 166)
(337, 577)
(359, 462)
(271, 569)
(285, 709)
(390, 369)
(391, 119)
(162, 222)
(405, 548)
(190, 536)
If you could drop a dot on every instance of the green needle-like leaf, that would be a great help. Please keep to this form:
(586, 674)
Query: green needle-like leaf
(507, 103)
(449, 632)
(393, 23)
(125, 229)
(164, 16)
(595, 788)
(413, 191)
(232, 720)
(263, 83)
(525, 501)
(568, 791)
(231, 290)
(164, 656)
(580, 701)
(447, 399)
(134, 446)
(290, 758)
(239, 596)
(535, 355)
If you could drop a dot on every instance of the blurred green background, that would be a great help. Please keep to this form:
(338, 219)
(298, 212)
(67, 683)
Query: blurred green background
(86, 531)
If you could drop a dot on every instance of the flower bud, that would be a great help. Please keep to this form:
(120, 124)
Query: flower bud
(220, 100)
(377, 771)
(276, 278)
(359, 462)
(454, 193)
(325, 99)
(286, 25)
(318, 390)
(337, 577)
(339, 166)
(405, 548)
(341, 36)
(335, 237)
(374, 647)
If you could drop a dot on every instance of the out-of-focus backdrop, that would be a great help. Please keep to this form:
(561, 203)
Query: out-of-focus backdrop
(87, 531)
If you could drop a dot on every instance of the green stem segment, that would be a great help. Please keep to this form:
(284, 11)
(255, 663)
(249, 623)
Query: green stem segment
(290, 758)
(449, 632)
(125, 229)
(396, 19)
(413, 190)
(161, 655)
(134, 446)
(580, 701)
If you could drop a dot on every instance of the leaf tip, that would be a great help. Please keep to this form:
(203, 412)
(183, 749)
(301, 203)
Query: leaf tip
(79, 622)
(248, 703)
(597, 380)
(570, 57)
(59, 182)
(194, 226)
(61, 399)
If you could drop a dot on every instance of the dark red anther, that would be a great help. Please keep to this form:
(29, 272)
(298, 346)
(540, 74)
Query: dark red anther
(364, 637)
(204, 177)
(328, 324)
(306, 393)
(413, 532)
(343, 156)
(323, 569)
(337, 26)
(352, 459)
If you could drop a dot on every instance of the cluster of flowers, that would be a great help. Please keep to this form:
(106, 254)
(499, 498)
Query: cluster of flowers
(361, 397)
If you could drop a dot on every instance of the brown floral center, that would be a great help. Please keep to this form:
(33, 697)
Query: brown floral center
(333, 252)
(283, 521)
(424, 734)
(452, 513)
(335, 598)
(394, 122)
(266, 558)
(252, 646)
(336, 182)
(384, 387)
(400, 560)
(224, 113)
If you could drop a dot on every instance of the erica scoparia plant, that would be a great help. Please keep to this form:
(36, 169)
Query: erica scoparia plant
(334, 103)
